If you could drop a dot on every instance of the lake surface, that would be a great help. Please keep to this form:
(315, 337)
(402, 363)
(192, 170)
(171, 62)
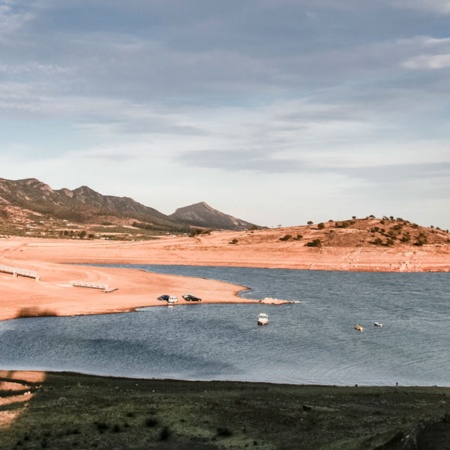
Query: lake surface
(313, 342)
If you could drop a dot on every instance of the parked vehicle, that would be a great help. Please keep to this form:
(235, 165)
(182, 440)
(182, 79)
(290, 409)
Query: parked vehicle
(172, 299)
(191, 298)
(164, 297)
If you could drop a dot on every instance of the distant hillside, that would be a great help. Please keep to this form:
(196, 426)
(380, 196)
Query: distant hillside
(387, 232)
(31, 207)
(202, 215)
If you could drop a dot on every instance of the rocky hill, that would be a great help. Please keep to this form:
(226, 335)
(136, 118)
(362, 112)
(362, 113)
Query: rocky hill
(356, 232)
(31, 207)
(202, 215)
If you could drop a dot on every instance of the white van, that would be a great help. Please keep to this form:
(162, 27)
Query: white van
(172, 299)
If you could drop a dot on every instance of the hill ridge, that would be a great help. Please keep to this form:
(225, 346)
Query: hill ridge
(31, 207)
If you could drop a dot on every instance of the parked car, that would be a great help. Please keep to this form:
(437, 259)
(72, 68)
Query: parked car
(163, 297)
(191, 298)
(172, 299)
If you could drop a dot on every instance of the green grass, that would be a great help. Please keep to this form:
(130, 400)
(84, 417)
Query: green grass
(79, 411)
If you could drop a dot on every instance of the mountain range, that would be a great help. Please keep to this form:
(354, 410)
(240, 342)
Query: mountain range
(33, 207)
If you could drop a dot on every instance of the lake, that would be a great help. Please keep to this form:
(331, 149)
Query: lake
(313, 342)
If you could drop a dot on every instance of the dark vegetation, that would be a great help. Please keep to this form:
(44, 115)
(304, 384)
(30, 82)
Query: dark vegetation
(370, 231)
(34, 311)
(87, 412)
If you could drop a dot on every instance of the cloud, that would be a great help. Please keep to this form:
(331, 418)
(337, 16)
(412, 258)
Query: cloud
(431, 6)
(295, 91)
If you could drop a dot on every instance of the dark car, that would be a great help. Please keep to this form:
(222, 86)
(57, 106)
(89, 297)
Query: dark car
(163, 297)
(191, 298)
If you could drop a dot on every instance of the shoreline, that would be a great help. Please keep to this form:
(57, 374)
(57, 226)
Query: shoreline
(57, 264)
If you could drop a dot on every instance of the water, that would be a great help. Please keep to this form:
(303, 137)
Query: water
(313, 342)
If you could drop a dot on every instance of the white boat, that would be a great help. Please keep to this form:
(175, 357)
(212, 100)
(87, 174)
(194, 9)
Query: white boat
(263, 319)
(172, 299)
(378, 324)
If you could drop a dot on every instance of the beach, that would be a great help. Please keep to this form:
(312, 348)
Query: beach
(55, 292)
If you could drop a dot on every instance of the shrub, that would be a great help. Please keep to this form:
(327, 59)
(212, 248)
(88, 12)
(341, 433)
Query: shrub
(198, 232)
(165, 434)
(151, 422)
(321, 226)
(34, 311)
(405, 238)
(233, 241)
(421, 239)
(101, 426)
(224, 431)
(286, 237)
(315, 243)
(310, 222)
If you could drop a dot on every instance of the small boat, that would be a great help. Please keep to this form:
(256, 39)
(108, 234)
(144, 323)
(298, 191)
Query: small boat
(359, 328)
(263, 319)
(172, 299)
(378, 324)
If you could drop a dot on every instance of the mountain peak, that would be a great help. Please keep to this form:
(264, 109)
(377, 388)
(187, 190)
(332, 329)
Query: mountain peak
(30, 198)
(203, 215)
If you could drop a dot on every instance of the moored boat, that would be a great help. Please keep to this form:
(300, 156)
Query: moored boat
(263, 319)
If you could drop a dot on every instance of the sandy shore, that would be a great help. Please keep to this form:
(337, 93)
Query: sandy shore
(55, 262)
(53, 293)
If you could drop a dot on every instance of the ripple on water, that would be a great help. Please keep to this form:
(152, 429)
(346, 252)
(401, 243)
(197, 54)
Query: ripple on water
(311, 342)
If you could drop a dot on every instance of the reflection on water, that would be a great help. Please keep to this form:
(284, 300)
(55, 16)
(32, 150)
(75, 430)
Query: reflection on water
(311, 342)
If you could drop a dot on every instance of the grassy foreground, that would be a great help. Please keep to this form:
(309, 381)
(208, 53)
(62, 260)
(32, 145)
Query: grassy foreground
(78, 411)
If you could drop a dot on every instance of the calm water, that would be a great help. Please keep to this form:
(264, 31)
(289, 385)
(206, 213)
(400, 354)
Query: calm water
(310, 342)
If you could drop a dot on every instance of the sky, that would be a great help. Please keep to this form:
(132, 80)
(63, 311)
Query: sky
(274, 111)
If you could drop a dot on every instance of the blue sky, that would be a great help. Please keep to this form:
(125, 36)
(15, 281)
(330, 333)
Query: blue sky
(274, 111)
